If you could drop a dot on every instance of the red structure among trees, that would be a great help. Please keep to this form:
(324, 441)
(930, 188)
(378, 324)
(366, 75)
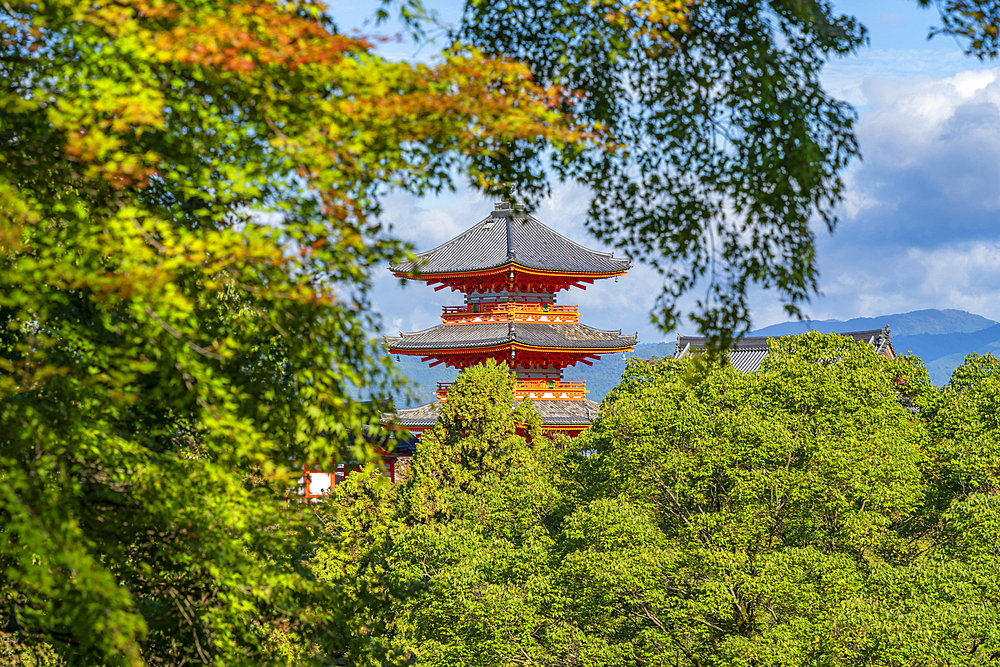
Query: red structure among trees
(510, 268)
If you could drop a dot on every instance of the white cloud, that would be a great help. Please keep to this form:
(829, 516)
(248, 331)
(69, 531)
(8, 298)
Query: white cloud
(965, 276)
(845, 78)
(931, 159)
(430, 223)
(920, 217)
(919, 222)
(869, 282)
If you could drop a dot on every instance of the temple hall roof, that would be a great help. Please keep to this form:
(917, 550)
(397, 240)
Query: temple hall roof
(553, 413)
(567, 413)
(748, 353)
(535, 334)
(512, 237)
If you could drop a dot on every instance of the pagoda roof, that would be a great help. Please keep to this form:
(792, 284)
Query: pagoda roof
(510, 237)
(553, 413)
(535, 334)
(748, 353)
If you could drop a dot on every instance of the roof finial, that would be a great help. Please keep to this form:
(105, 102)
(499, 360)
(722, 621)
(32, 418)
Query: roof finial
(507, 199)
(507, 193)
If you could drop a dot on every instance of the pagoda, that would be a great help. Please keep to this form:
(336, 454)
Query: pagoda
(510, 267)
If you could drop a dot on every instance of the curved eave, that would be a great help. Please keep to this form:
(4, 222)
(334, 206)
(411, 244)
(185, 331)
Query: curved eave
(506, 268)
(433, 352)
(583, 350)
(545, 338)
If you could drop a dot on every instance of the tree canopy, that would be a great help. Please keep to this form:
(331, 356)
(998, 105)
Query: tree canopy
(728, 149)
(828, 510)
(189, 202)
(479, 433)
(727, 144)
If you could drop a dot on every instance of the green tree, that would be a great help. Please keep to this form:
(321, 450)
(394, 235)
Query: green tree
(728, 144)
(188, 218)
(480, 578)
(468, 511)
(967, 429)
(188, 200)
(962, 457)
(356, 520)
(975, 22)
(795, 516)
(710, 517)
(941, 604)
(479, 432)
(473, 544)
(736, 512)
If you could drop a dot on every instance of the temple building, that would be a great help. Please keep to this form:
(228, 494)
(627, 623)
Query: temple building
(509, 269)
(748, 353)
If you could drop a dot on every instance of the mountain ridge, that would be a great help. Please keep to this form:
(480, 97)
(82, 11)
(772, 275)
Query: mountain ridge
(941, 338)
(916, 322)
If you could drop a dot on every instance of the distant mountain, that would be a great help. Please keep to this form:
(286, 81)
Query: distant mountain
(426, 379)
(941, 338)
(942, 353)
(903, 324)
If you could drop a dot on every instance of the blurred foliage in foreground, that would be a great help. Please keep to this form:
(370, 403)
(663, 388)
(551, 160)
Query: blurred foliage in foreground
(188, 223)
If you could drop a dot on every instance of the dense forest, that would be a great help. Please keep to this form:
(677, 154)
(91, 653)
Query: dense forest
(832, 509)
(191, 213)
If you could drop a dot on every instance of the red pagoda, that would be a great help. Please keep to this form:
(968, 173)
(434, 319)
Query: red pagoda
(510, 267)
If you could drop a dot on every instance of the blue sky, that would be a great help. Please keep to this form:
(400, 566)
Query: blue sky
(919, 221)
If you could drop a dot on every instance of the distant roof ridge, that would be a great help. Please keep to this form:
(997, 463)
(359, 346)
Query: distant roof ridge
(696, 340)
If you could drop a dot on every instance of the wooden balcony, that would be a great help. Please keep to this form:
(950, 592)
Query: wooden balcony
(536, 390)
(511, 312)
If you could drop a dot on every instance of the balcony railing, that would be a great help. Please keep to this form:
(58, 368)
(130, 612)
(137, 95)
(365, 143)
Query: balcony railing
(563, 390)
(510, 312)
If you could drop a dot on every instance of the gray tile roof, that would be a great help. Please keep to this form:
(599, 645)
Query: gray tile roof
(553, 413)
(510, 236)
(422, 416)
(748, 353)
(536, 334)
(567, 413)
